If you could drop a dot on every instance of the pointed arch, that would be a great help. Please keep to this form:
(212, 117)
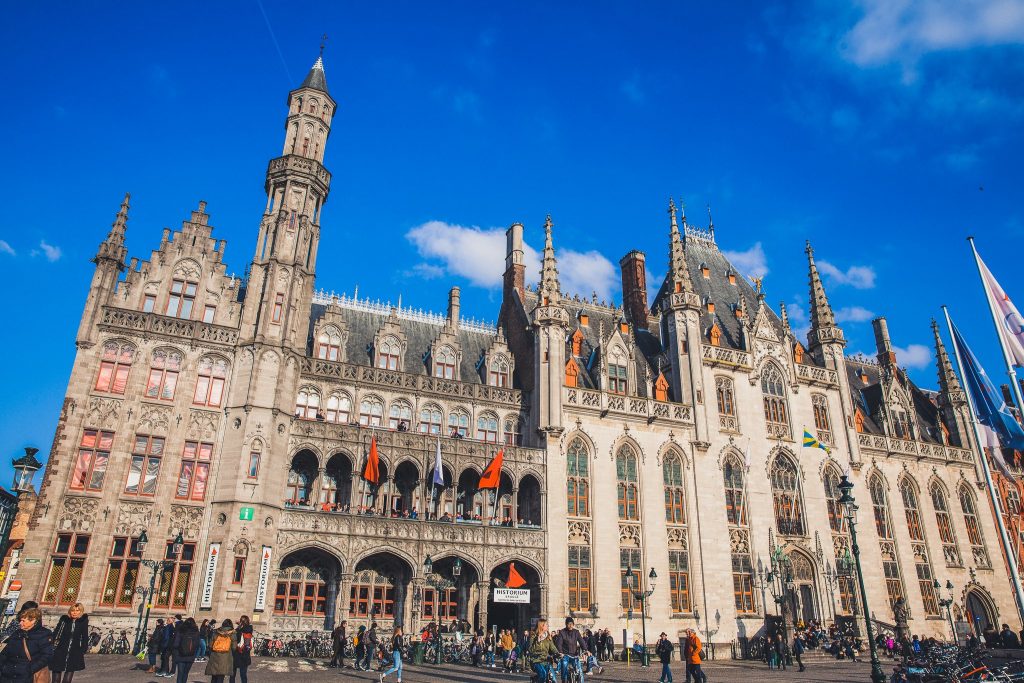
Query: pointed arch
(577, 466)
(773, 396)
(786, 496)
(969, 507)
(627, 476)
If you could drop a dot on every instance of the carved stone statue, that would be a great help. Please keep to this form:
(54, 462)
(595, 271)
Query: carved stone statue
(901, 613)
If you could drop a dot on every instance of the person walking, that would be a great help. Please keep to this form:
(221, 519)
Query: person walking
(360, 645)
(571, 646)
(798, 651)
(153, 645)
(221, 662)
(184, 648)
(242, 653)
(609, 645)
(540, 650)
(70, 643)
(29, 649)
(338, 638)
(396, 656)
(490, 646)
(691, 653)
(372, 643)
(204, 640)
(664, 651)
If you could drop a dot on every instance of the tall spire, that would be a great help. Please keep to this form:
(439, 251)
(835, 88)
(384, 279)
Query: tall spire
(711, 223)
(316, 78)
(679, 272)
(823, 320)
(113, 247)
(948, 382)
(549, 268)
(784, 314)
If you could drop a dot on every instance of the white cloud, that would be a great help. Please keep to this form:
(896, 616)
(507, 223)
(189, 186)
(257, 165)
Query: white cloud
(6, 248)
(853, 314)
(860, 277)
(585, 272)
(914, 356)
(51, 252)
(798, 319)
(751, 262)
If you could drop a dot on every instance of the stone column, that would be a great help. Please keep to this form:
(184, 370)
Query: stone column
(515, 505)
(346, 591)
(332, 604)
(482, 595)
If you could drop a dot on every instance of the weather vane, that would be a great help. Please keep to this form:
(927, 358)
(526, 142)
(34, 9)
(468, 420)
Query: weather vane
(323, 42)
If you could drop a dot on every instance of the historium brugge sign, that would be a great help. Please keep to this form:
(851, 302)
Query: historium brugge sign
(517, 595)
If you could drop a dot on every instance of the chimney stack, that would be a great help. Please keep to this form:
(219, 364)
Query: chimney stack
(886, 355)
(515, 264)
(634, 288)
(454, 306)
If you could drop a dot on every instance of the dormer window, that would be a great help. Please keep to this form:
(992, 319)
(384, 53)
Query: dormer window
(858, 421)
(661, 388)
(732, 278)
(715, 335)
(577, 343)
(572, 373)
(584, 319)
(705, 271)
(624, 327)
(618, 377)
(498, 372)
(387, 353)
(737, 310)
(328, 344)
(902, 429)
(444, 363)
(709, 305)
(798, 353)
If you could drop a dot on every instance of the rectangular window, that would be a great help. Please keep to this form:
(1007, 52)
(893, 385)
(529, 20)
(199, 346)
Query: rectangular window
(617, 379)
(443, 603)
(278, 309)
(254, 465)
(181, 299)
(924, 580)
(66, 565)
(122, 573)
(209, 313)
(163, 375)
(630, 557)
(679, 580)
(893, 584)
(148, 303)
(145, 465)
(115, 368)
(175, 577)
(93, 457)
(743, 583)
(579, 577)
(195, 470)
(846, 594)
(238, 571)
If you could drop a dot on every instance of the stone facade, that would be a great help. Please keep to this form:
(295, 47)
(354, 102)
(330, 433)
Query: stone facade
(241, 413)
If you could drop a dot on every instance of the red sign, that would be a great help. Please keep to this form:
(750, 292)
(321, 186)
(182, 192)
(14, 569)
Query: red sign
(15, 585)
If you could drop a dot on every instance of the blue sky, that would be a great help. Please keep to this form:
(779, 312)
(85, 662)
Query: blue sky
(884, 131)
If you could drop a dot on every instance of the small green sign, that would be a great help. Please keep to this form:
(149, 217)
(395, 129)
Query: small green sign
(245, 514)
(31, 560)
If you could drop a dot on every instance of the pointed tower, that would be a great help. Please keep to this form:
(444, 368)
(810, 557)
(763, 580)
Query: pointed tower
(280, 286)
(952, 400)
(110, 263)
(824, 331)
(551, 324)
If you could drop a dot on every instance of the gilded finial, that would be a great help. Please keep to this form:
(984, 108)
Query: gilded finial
(757, 283)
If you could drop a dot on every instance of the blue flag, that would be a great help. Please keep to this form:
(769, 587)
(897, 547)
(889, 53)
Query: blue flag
(989, 405)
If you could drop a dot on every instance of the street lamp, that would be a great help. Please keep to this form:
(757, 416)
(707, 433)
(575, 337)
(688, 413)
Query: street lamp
(946, 602)
(850, 512)
(142, 627)
(440, 585)
(632, 579)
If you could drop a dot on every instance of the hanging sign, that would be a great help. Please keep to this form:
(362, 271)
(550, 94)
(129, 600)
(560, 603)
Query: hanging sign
(211, 571)
(516, 595)
(261, 587)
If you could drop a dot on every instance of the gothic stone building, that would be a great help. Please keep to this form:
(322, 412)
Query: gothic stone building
(239, 414)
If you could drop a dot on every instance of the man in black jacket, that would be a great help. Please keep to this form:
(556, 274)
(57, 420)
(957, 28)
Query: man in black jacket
(371, 646)
(338, 637)
(570, 644)
(664, 651)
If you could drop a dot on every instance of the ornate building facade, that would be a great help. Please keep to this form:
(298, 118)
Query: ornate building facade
(237, 415)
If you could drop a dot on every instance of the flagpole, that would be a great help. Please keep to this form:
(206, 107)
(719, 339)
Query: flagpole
(1008, 553)
(1014, 386)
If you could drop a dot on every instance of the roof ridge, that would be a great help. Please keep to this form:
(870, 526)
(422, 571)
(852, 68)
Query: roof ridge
(367, 305)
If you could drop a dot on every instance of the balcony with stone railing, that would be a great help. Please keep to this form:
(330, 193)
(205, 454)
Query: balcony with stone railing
(719, 356)
(176, 328)
(917, 449)
(607, 403)
(817, 376)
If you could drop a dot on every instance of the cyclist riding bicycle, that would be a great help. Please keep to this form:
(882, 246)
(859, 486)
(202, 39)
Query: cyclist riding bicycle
(540, 649)
(571, 646)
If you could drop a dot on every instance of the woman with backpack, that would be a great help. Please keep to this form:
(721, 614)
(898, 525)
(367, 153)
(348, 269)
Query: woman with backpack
(222, 645)
(360, 644)
(184, 648)
(243, 649)
(70, 643)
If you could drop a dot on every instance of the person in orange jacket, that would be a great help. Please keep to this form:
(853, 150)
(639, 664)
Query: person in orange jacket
(691, 655)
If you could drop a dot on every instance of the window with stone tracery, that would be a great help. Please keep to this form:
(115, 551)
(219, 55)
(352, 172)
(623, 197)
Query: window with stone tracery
(726, 394)
(626, 472)
(945, 525)
(339, 407)
(400, 415)
(328, 344)
(887, 545)
(371, 412)
(773, 391)
(922, 561)
(115, 366)
(618, 376)
(163, 374)
(388, 352)
(458, 423)
(789, 518)
(487, 428)
(675, 498)
(431, 419)
(578, 479)
(444, 363)
(822, 425)
(498, 372)
(739, 535)
(307, 404)
(210, 382)
(969, 508)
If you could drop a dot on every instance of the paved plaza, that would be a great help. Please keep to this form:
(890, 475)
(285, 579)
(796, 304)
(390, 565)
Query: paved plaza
(123, 669)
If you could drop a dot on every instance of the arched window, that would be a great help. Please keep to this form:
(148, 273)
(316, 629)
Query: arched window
(840, 542)
(736, 514)
(302, 591)
(339, 407)
(213, 373)
(115, 366)
(726, 397)
(821, 422)
(789, 517)
(511, 431)
(498, 372)
(458, 423)
(675, 499)
(880, 508)
(922, 563)
(444, 363)
(626, 473)
(388, 352)
(578, 479)
(973, 528)
(773, 390)
(163, 374)
(328, 344)
(487, 428)
(371, 412)
(301, 475)
(950, 550)
(400, 415)
(307, 404)
(618, 377)
(735, 501)
(836, 520)
(431, 419)
(887, 546)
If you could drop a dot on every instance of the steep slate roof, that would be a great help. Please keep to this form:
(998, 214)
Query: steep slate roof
(870, 397)
(316, 78)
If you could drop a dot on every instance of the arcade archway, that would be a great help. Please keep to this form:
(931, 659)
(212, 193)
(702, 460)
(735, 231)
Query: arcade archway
(518, 616)
(980, 611)
(380, 591)
(306, 590)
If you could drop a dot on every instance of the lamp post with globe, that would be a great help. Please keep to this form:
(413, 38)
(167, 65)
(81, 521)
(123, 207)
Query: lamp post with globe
(440, 584)
(636, 591)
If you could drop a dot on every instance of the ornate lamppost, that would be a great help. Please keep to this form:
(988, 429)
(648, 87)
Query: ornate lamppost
(780, 581)
(761, 580)
(946, 603)
(440, 584)
(632, 580)
(142, 627)
(850, 512)
(709, 632)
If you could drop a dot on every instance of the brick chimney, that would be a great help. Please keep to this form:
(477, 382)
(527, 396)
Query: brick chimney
(515, 265)
(886, 354)
(454, 307)
(634, 288)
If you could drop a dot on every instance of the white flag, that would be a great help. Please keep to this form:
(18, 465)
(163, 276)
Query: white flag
(990, 441)
(1011, 329)
(438, 469)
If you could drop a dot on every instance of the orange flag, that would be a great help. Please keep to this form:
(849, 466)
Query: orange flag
(492, 474)
(514, 579)
(371, 471)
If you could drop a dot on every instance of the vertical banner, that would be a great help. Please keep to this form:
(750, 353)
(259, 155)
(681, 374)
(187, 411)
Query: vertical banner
(211, 571)
(261, 587)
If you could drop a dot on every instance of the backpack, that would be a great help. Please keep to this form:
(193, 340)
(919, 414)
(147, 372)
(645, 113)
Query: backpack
(187, 644)
(221, 643)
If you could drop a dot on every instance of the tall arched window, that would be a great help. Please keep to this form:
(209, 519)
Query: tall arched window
(840, 541)
(577, 485)
(773, 390)
(902, 426)
(498, 372)
(458, 423)
(444, 363)
(115, 366)
(739, 536)
(213, 373)
(307, 404)
(301, 475)
(388, 353)
(886, 543)
(822, 425)
(977, 541)
(675, 499)
(400, 415)
(371, 412)
(431, 419)
(487, 428)
(789, 516)
(510, 431)
(950, 550)
(328, 344)
(339, 407)
(627, 475)
(836, 521)
(726, 404)
(922, 562)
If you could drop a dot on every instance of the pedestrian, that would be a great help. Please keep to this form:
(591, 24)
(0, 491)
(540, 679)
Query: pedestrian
(476, 649)
(338, 638)
(221, 662)
(359, 641)
(242, 652)
(571, 646)
(1008, 638)
(664, 651)
(490, 646)
(172, 630)
(780, 652)
(691, 653)
(372, 642)
(798, 651)
(396, 656)
(540, 650)
(29, 650)
(204, 640)
(153, 645)
(184, 648)
(163, 647)
(609, 645)
(70, 643)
